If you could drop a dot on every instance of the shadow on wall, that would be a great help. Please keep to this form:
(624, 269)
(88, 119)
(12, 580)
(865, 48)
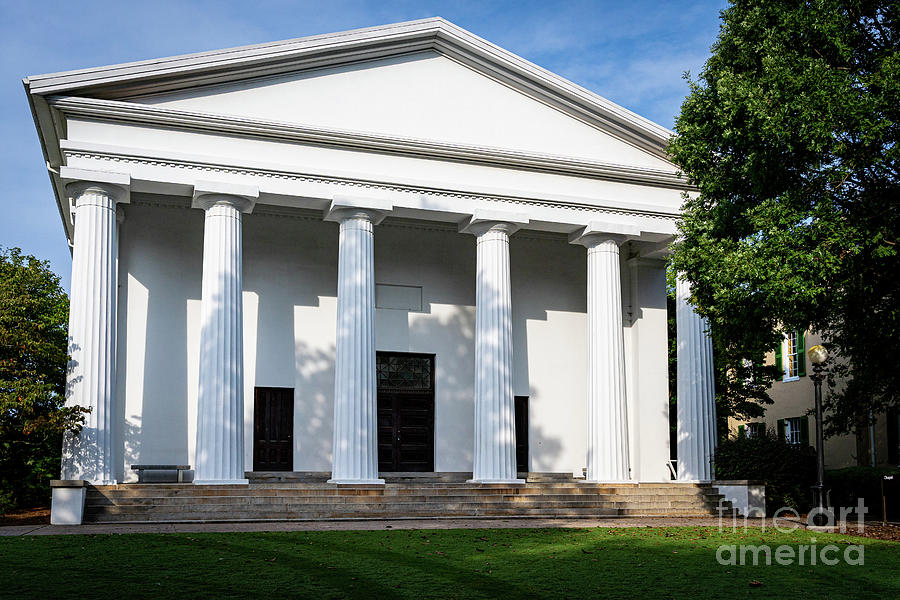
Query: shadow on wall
(544, 448)
(290, 265)
(160, 276)
(131, 433)
(549, 309)
(164, 406)
(450, 335)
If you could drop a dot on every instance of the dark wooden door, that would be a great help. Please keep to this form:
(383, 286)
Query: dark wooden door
(405, 412)
(522, 434)
(273, 429)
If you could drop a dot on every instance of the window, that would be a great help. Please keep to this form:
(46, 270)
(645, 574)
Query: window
(751, 430)
(794, 430)
(790, 358)
(748, 364)
(755, 430)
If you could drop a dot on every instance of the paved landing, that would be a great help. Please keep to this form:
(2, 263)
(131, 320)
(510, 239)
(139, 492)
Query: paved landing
(370, 525)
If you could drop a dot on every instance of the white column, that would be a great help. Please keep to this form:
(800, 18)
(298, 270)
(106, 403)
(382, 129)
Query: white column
(355, 443)
(495, 430)
(696, 396)
(91, 377)
(607, 439)
(219, 454)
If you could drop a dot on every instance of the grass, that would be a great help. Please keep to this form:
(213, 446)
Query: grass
(645, 563)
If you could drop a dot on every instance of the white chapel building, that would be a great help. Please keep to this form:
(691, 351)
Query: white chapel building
(394, 249)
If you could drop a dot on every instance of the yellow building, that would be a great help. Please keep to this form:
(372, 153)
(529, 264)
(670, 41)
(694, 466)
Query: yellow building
(792, 414)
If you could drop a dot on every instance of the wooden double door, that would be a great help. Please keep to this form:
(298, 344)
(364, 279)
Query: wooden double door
(405, 412)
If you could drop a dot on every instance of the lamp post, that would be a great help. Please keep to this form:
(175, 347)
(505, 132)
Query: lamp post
(818, 356)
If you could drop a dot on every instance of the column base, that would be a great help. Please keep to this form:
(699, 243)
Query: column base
(222, 482)
(503, 481)
(356, 481)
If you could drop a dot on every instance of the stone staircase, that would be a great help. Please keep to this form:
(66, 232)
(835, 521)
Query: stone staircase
(289, 500)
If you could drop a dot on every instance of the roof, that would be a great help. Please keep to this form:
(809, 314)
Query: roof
(134, 79)
(245, 62)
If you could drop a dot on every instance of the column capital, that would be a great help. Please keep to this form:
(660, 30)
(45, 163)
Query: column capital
(352, 207)
(210, 193)
(116, 186)
(483, 221)
(597, 232)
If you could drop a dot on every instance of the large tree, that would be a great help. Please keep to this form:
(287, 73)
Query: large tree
(791, 136)
(33, 322)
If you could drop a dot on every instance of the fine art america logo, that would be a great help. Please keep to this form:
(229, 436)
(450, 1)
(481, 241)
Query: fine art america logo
(786, 520)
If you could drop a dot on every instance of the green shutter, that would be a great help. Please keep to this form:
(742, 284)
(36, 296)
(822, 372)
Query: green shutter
(778, 362)
(801, 354)
(741, 432)
(804, 431)
(780, 427)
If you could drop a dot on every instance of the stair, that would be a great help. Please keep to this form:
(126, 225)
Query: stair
(266, 499)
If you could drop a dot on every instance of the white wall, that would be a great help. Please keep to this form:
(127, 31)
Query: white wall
(549, 294)
(290, 289)
(290, 282)
(160, 263)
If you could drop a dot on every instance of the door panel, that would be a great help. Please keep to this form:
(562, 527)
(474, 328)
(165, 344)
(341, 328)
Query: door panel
(521, 434)
(386, 433)
(273, 429)
(405, 412)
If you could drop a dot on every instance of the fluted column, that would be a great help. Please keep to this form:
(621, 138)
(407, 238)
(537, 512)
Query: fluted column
(607, 423)
(219, 454)
(696, 396)
(91, 376)
(355, 443)
(495, 431)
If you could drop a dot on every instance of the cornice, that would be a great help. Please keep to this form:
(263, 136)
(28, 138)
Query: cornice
(128, 112)
(207, 168)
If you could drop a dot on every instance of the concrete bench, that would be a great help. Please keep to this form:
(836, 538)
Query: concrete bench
(163, 473)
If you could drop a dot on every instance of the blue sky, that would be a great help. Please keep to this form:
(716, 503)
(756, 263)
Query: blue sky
(632, 52)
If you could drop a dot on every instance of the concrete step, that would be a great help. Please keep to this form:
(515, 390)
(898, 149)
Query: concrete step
(517, 500)
(330, 490)
(286, 500)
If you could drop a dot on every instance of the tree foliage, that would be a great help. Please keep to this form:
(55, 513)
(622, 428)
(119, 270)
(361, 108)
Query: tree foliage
(791, 136)
(789, 470)
(33, 335)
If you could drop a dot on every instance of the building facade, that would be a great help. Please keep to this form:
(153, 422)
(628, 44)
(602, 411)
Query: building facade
(792, 414)
(392, 249)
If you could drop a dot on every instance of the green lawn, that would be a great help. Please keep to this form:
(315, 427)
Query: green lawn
(645, 563)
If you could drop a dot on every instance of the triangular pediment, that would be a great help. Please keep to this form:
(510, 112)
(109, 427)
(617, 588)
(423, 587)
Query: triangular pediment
(423, 95)
(425, 80)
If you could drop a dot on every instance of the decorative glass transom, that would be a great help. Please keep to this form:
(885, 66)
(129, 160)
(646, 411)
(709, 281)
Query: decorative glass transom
(404, 372)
